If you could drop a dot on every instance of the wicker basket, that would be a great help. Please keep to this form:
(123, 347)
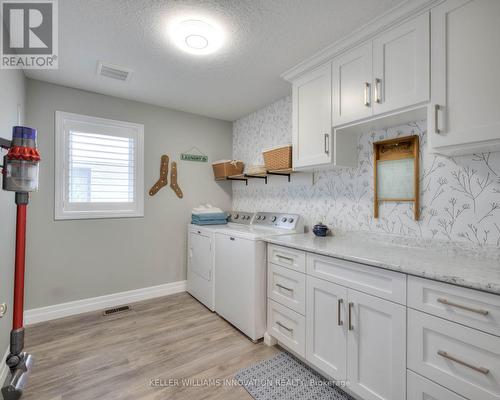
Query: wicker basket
(278, 157)
(225, 168)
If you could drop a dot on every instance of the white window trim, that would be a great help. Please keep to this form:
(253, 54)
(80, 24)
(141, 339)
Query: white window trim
(63, 120)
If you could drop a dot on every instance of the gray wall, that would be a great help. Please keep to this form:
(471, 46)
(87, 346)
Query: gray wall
(12, 93)
(71, 260)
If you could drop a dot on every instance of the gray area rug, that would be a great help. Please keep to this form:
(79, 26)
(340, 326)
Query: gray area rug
(284, 377)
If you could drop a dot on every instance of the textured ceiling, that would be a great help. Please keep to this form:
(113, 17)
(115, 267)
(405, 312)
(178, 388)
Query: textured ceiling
(264, 38)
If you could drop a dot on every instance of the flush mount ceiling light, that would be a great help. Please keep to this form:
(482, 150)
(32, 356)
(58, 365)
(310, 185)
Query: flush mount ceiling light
(196, 36)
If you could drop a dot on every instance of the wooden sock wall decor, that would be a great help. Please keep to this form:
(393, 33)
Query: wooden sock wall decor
(163, 181)
(173, 181)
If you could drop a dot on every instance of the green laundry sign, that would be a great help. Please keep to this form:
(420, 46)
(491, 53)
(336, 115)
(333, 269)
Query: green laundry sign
(194, 157)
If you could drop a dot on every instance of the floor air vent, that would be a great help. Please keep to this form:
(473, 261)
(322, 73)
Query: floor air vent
(116, 310)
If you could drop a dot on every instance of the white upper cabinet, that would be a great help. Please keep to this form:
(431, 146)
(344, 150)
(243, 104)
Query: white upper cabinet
(464, 115)
(351, 77)
(312, 118)
(401, 66)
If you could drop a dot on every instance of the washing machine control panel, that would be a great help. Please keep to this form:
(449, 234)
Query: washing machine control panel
(277, 220)
(241, 217)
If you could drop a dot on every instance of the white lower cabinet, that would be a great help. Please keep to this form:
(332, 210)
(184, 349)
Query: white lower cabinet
(326, 327)
(355, 325)
(420, 388)
(286, 326)
(458, 357)
(376, 347)
(355, 336)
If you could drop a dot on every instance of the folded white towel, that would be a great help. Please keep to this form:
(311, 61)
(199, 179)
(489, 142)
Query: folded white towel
(206, 209)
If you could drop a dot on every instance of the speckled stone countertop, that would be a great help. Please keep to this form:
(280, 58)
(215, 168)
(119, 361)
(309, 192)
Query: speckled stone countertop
(470, 267)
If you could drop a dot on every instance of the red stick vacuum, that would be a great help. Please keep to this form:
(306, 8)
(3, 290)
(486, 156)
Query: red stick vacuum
(20, 175)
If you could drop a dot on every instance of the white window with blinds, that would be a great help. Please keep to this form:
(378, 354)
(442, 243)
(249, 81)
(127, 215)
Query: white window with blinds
(99, 168)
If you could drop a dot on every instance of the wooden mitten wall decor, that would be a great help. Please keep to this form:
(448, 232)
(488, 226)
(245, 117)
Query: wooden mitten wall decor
(163, 181)
(173, 181)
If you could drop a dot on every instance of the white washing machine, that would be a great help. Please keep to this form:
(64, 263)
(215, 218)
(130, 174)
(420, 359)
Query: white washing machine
(240, 267)
(201, 258)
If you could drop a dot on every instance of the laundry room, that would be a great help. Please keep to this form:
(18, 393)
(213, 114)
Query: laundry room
(250, 200)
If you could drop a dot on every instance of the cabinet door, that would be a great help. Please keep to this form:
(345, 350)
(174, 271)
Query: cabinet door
(376, 347)
(401, 66)
(312, 118)
(326, 327)
(464, 117)
(352, 74)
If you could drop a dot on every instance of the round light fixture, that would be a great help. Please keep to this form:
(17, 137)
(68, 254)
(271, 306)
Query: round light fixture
(196, 36)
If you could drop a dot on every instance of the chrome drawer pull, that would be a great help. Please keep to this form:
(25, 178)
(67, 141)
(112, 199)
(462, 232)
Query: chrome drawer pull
(482, 370)
(284, 287)
(284, 327)
(339, 305)
(285, 258)
(474, 310)
(350, 316)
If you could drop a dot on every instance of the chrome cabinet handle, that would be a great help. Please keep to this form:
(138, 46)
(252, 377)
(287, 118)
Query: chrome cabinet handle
(378, 81)
(284, 327)
(451, 304)
(284, 287)
(327, 143)
(350, 316)
(285, 258)
(482, 370)
(339, 305)
(437, 107)
(367, 90)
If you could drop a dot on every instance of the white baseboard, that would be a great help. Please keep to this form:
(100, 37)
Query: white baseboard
(98, 303)
(4, 370)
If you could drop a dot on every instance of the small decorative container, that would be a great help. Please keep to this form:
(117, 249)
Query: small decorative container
(224, 168)
(320, 229)
(279, 157)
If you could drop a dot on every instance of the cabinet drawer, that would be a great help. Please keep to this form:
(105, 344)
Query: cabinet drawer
(376, 281)
(287, 257)
(462, 359)
(287, 287)
(287, 326)
(420, 388)
(470, 307)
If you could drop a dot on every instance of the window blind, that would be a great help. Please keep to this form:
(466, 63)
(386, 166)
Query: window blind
(100, 168)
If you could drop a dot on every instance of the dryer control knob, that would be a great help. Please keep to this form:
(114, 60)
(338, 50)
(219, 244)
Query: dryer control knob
(283, 219)
(273, 219)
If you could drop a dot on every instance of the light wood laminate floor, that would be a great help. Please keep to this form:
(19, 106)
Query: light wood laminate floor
(90, 356)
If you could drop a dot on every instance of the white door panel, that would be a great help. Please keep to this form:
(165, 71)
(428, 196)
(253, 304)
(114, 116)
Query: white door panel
(326, 327)
(376, 347)
(352, 76)
(401, 66)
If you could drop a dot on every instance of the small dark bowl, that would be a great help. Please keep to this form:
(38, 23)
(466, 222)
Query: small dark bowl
(320, 230)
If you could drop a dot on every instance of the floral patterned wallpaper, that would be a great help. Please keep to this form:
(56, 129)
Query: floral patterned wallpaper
(460, 196)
